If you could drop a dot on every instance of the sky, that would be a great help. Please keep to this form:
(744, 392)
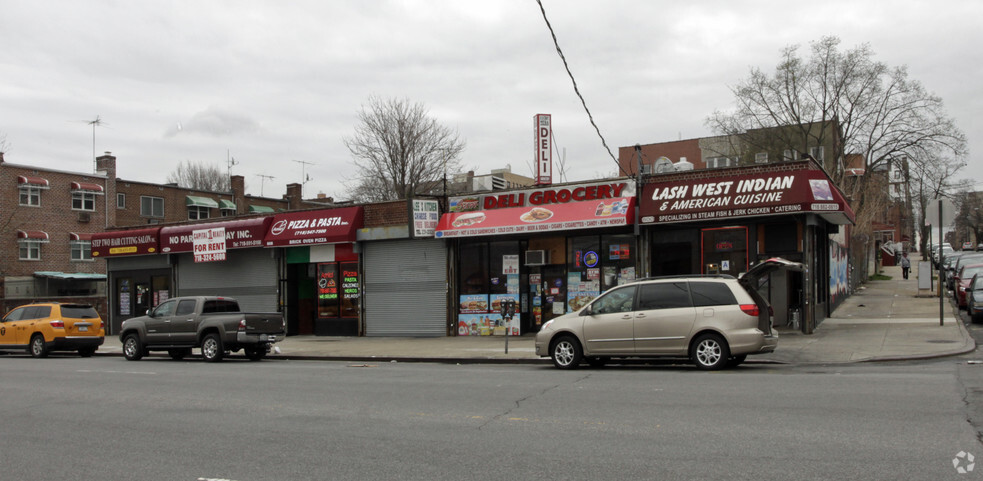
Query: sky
(277, 86)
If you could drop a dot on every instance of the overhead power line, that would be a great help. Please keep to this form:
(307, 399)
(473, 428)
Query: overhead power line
(576, 89)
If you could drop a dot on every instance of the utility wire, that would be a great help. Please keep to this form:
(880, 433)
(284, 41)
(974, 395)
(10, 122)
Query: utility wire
(576, 89)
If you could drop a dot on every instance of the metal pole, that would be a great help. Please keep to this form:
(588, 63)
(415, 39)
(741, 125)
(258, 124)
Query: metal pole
(941, 279)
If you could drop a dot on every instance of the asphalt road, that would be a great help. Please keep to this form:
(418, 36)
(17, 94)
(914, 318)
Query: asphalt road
(68, 418)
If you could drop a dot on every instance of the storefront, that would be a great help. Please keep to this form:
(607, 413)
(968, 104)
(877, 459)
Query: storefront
(320, 276)
(138, 278)
(236, 266)
(723, 221)
(522, 257)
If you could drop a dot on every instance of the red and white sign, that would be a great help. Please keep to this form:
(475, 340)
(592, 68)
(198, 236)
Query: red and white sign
(239, 234)
(209, 244)
(325, 226)
(544, 150)
(548, 218)
(757, 194)
(548, 196)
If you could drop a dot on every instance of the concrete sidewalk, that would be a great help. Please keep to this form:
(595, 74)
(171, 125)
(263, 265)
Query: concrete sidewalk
(885, 320)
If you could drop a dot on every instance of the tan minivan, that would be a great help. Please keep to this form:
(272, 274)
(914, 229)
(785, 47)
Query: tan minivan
(715, 321)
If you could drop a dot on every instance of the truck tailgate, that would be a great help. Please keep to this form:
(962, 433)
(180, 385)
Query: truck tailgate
(263, 323)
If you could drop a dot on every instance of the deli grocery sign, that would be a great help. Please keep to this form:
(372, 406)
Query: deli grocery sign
(598, 191)
(786, 192)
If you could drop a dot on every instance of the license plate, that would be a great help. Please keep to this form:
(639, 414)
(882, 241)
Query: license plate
(83, 328)
(262, 337)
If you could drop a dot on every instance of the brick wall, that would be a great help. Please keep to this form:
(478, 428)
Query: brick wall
(54, 215)
(386, 214)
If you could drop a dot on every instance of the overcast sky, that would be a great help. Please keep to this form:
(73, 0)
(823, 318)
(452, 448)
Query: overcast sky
(272, 82)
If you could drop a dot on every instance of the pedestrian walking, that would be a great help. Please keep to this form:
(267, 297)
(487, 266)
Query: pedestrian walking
(905, 265)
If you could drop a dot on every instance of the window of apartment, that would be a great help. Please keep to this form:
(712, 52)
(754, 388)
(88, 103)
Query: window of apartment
(816, 152)
(761, 157)
(228, 212)
(720, 162)
(30, 195)
(30, 249)
(791, 154)
(83, 201)
(81, 250)
(151, 206)
(120, 201)
(197, 212)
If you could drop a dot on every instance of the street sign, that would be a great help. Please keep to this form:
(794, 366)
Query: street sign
(932, 212)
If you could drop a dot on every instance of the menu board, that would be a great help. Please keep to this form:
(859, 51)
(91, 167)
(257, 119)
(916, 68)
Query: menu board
(350, 289)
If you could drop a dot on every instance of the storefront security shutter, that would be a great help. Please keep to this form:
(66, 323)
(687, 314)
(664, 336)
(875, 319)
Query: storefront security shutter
(248, 275)
(405, 288)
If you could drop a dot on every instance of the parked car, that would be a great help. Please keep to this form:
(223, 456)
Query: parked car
(44, 327)
(968, 246)
(716, 321)
(214, 324)
(966, 274)
(974, 298)
(948, 266)
(957, 266)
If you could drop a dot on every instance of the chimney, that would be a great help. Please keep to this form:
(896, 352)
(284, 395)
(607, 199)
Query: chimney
(1, 157)
(106, 165)
(293, 196)
(238, 184)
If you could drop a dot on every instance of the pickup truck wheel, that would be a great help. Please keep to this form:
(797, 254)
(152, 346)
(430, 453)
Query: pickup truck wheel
(178, 354)
(255, 353)
(132, 349)
(211, 348)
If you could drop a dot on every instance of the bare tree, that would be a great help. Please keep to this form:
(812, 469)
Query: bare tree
(4, 145)
(200, 176)
(846, 100)
(400, 150)
(933, 176)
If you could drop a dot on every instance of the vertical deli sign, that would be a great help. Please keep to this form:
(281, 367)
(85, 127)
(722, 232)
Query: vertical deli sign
(543, 149)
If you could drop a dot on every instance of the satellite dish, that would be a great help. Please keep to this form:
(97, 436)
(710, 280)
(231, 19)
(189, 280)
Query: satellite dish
(663, 165)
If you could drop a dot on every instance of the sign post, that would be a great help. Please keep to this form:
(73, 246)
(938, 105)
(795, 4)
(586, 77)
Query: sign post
(940, 212)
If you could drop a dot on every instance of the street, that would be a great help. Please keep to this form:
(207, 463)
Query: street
(105, 418)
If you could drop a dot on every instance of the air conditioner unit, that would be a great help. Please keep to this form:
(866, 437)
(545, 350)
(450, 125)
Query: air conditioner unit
(537, 258)
(85, 217)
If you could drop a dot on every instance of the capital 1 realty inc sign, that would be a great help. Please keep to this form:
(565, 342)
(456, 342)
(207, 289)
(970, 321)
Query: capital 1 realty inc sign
(209, 244)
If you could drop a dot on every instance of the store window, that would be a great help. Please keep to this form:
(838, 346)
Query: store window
(596, 264)
(489, 284)
(338, 290)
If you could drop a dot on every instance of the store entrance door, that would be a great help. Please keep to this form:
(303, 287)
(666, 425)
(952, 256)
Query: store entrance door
(548, 291)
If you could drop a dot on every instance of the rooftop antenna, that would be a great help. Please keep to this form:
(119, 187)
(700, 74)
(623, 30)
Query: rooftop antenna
(230, 161)
(261, 179)
(97, 122)
(304, 178)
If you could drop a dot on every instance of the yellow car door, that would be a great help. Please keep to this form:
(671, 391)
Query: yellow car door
(10, 326)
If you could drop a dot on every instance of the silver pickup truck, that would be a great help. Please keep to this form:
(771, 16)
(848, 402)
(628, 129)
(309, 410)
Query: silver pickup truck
(215, 324)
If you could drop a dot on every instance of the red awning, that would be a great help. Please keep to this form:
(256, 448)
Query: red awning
(34, 181)
(79, 236)
(238, 234)
(611, 212)
(125, 242)
(33, 235)
(324, 226)
(87, 187)
(739, 196)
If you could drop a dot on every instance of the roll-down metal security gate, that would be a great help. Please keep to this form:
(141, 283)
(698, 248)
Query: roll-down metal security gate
(249, 275)
(405, 288)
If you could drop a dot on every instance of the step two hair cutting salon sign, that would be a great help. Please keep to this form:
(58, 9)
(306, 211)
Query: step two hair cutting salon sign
(737, 196)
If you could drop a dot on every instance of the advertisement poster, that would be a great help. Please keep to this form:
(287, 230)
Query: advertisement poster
(512, 287)
(474, 304)
(586, 292)
(510, 264)
(486, 325)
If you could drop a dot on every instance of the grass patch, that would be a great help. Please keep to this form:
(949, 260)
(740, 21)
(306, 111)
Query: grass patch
(880, 277)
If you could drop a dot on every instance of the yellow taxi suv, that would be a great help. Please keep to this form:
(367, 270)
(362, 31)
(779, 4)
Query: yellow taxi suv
(41, 328)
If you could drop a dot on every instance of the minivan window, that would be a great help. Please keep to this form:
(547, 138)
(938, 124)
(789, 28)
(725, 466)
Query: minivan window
(663, 295)
(711, 294)
(618, 300)
(41, 312)
(16, 314)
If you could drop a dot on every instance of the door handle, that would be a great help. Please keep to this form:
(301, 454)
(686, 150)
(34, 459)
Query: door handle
(626, 316)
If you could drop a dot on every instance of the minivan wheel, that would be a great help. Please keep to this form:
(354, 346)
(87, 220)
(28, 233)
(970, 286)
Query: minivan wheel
(566, 353)
(710, 352)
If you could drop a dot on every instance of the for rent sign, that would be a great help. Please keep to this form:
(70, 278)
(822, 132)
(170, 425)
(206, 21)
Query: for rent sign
(209, 244)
